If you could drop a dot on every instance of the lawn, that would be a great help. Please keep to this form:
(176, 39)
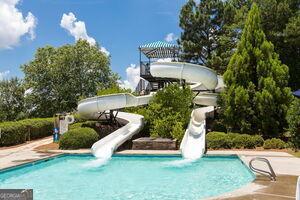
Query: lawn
(297, 154)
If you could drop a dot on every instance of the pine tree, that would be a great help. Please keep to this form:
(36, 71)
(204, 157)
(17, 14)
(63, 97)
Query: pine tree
(290, 50)
(257, 97)
(205, 29)
(280, 21)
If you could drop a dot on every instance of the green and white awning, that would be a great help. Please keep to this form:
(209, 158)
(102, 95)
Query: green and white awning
(160, 49)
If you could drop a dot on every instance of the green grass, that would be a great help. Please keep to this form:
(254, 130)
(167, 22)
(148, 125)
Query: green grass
(297, 154)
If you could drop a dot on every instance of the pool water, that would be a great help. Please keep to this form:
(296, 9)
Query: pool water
(129, 177)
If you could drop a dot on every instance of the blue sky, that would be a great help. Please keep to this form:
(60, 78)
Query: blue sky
(118, 25)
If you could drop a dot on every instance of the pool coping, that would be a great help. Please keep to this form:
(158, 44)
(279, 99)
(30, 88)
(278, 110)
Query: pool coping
(118, 154)
(58, 155)
(33, 162)
(248, 189)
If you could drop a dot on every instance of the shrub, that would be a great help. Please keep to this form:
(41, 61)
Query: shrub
(169, 106)
(88, 124)
(177, 131)
(78, 118)
(161, 128)
(78, 138)
(274, 143)
(103, 129)
(12, 133)
(218, 140)
(218, 126)
(75, 125)
(259, 141)
(293, 118)
(168, 113)
(85, 124)
(18, 132)
(239, 141)
(221, 140)
(39, 127)
(245, 141)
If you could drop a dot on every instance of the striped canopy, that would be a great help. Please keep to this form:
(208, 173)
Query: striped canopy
(160, 49)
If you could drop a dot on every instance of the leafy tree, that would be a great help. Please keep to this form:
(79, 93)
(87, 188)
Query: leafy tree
(293, 118)
(208, 37)
(11, 100)
(257, 97)
(169, 112)
(114, 89)
(59, 77)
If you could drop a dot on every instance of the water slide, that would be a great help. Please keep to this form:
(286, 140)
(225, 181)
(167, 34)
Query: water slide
(92, 108)
(193, 144)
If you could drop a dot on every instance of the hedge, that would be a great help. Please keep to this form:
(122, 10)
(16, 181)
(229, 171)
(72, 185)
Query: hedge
(102, 128)
(274, 143)
(221, 140)
(85, 124)
(78, 138)
(18, 132)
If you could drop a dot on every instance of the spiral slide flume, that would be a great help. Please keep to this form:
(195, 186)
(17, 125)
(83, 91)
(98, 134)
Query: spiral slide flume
(92, 107)
(193, 144)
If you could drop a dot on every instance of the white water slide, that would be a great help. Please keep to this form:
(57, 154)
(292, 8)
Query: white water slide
(92, 108)
(193, 143)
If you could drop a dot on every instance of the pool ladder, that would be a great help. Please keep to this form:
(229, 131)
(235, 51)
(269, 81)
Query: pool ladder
(271, 174)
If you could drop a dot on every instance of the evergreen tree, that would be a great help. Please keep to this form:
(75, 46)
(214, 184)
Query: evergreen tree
(257, 97)
(206, 27)
(280, 21)
(223, 22)
(290, 51)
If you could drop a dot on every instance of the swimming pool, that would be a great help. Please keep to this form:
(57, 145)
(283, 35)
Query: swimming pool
(129, 177)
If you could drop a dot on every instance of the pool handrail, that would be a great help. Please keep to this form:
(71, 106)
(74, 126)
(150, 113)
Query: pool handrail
(271, 174)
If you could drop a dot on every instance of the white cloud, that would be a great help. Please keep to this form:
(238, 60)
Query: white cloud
(132, 77)
(171, 37)
(125, 84)
(4, 74)
(104, 50)
(164, 60)
(13, 25)
(78, 30)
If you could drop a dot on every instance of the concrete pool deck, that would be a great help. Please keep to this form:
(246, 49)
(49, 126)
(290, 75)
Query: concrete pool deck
(24, 153)
(286, 166)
